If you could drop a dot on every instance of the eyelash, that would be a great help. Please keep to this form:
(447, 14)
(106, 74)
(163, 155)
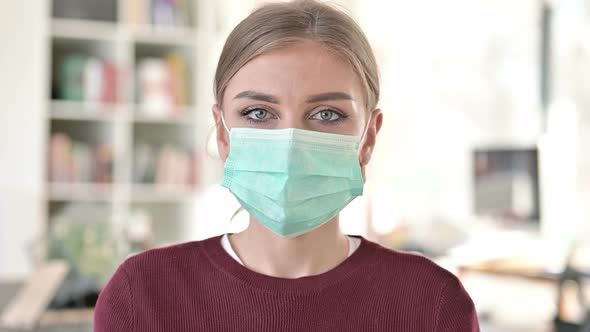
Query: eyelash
(341, 116)
(246, 112)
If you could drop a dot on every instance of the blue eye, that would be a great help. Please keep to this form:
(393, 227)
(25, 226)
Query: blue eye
(328, 115)
(257, 115)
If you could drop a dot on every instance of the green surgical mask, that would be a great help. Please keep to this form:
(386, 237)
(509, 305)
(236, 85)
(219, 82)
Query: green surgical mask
(292, 180)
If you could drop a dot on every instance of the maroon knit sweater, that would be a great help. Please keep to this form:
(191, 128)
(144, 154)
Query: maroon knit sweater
(197, 286)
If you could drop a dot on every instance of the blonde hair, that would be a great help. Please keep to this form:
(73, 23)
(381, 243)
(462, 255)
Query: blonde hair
(280, 25)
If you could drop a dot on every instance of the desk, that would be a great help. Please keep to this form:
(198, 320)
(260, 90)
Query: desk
(78, 320)
(514, 269)
(510, 269)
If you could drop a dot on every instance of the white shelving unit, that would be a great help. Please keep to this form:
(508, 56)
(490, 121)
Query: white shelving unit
(123, 124)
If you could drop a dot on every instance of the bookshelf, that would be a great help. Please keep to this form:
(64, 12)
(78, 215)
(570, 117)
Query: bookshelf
(66, 110)
(127, 116)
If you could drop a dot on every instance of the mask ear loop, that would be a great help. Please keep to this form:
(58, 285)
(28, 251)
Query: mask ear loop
(361, 141)
(223, 121)
(366, 127)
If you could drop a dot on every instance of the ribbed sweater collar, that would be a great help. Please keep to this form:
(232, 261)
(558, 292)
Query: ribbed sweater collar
(365, 256)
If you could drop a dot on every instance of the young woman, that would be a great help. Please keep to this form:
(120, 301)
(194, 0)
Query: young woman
(297, 119)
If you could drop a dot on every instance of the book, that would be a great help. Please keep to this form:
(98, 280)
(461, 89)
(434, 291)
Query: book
(167, 166)
(71, 77)
(82, 160)
(109, 83)
(103, 164)
(73, 161)
(137, 11)
(183, 17)
(60, 162)
(93, 79)
(143, 164)
(159, 13)
(163, 85)
(154, 82)
(178, 78)
(89, 79)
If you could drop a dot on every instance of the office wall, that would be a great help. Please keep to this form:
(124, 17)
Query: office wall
(456, 75)
(22, 93)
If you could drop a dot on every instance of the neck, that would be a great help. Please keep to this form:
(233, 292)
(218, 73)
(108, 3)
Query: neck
(314, 252)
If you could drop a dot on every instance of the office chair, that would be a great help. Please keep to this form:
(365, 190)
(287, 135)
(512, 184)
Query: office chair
(570, 274)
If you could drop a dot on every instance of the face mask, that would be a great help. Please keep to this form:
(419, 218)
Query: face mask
(292, 180)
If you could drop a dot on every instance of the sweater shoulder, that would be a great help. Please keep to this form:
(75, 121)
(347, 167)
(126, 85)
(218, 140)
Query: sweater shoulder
(164, 258)
(411, 266)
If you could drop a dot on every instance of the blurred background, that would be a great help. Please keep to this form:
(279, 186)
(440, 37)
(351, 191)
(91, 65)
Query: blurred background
(482, 164)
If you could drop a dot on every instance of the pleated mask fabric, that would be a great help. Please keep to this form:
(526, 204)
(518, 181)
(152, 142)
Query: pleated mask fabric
(292, 180)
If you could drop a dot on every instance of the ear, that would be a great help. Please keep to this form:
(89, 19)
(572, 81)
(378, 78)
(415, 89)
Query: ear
(368, 143)
(221, 134)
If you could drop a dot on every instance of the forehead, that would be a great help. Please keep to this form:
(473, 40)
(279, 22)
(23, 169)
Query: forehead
(297, 71)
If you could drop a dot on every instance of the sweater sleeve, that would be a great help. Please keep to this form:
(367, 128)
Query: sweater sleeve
(456, 311)
(114, 308)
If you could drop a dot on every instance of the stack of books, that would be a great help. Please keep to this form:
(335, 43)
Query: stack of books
(165, 166)
(83, 78)
(159, 13)
(78, 162)
(163, 86)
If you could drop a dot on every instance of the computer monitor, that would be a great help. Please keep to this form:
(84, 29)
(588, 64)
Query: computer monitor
(506, 185)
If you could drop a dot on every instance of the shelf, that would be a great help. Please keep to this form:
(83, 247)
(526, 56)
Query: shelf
(58, 318)
(146, 34)
(80, 191)
(124, 125)
(84, 29)
(91, 111)
(86, 111)
(162, 193)
(110, 31)
(184, 117)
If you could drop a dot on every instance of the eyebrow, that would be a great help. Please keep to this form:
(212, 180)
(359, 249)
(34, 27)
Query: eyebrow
(249, 94)
(257, 96)
(329, 96)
